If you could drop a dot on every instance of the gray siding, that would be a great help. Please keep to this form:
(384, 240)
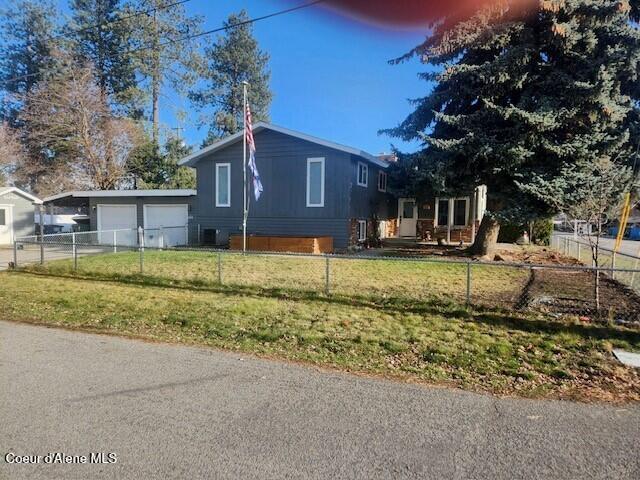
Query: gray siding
(138, 201)
(282, 210)
(367, 201)
(23, 213)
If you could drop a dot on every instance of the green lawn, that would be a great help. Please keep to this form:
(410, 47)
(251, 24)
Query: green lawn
(431, 341)
(379, 278)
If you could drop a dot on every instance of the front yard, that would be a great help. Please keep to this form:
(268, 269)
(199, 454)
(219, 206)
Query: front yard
(436, 341)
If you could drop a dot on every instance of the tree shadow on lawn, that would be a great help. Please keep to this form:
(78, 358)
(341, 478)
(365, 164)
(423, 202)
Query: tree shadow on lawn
(443, 307)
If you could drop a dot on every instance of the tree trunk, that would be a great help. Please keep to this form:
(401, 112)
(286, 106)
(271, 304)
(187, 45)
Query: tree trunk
(155, 79)
(487, 237)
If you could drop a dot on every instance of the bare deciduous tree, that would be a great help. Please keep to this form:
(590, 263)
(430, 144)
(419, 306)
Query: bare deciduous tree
(591, 192)
(74, 138)
(11, 151)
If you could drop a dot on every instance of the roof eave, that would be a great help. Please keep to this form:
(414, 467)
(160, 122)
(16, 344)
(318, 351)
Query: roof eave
(195, 157)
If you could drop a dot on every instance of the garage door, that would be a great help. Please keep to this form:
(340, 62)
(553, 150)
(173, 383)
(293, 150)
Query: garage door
(165, 225)
(117, 217)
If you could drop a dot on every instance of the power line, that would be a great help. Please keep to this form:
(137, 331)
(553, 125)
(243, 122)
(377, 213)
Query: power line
(190, 37)
(234, 25)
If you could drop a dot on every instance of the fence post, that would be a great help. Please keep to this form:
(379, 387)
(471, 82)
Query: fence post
(199, 237)
(115, 241)
(578, 251)
(141, 248)
(74, 251)
(468, 283)
(326, 276)
(41, 239)
(220, 268)
(161, 238)
(15, 254)
(186, 233)
(613, 265)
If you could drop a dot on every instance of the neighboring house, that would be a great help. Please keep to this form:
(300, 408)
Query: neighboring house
(312, 187)
(110, 210)
(17, 210)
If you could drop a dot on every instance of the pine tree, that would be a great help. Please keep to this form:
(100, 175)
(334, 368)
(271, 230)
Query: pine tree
(99, 35)
(163, 51)
(150, 167)
(234, 58)
(520, 94)
(178, 176)
(145, 166)
(27, 43)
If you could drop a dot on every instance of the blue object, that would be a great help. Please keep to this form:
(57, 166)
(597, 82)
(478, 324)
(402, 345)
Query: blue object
(634, 233)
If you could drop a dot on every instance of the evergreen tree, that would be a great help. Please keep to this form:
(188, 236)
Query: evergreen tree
(522, 93)
(145, 165)
(152, 168)
(163, 52)
(234, 58)
(27, 43)
(99, 35)
(178, 176)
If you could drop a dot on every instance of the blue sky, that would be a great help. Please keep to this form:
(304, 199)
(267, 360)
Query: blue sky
(330, 76)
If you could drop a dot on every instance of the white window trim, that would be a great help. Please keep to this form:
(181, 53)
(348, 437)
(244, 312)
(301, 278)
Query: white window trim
(218, 167)
(366, 176)
(309, 162)
(382, 175)
(450, 207)
(362, 223)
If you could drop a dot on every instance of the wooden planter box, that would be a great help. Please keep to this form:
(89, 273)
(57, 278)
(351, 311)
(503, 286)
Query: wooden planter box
(269, 243)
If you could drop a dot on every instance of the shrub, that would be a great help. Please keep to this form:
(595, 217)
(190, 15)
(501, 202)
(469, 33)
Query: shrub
(539, 231)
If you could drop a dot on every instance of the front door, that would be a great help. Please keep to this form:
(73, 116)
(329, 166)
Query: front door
(408, 217)
(6, 222)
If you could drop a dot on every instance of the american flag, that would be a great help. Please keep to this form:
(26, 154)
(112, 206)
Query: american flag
(257, 184)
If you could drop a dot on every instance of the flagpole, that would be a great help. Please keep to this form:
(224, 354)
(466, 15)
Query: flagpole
(244, 167)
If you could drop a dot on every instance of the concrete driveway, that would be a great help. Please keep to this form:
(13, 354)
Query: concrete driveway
(180, 412)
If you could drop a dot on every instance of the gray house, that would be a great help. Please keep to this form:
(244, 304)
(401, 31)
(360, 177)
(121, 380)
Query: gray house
(17, 214)
(312, 187)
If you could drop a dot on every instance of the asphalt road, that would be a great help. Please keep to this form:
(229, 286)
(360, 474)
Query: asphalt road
(628, 247)
(181, 412)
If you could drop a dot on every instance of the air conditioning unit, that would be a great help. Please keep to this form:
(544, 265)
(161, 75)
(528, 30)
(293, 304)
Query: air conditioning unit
(209, 236)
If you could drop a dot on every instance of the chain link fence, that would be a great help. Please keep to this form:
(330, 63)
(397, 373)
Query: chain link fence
(168, 257)
(619, 266)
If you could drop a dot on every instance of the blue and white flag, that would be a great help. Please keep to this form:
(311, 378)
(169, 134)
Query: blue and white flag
(257, 184)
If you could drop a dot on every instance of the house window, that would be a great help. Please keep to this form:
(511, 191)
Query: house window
(363, 174)
(315, 182)
(3, 217)
(382, 181)
(362, 230)
(442, 212)
(223, 184)
(452, 212)
(460, 212)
